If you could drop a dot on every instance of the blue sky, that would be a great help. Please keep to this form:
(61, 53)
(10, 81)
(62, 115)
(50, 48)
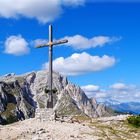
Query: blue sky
(105, 28)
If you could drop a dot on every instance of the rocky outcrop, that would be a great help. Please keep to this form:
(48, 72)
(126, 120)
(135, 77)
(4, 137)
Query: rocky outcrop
(21, 95)
(15, 102)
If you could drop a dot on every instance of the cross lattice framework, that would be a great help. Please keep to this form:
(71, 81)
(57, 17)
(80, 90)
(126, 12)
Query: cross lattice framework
(50, 44)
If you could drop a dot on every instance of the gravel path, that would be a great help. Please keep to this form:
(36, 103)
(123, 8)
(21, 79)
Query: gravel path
(110, 128)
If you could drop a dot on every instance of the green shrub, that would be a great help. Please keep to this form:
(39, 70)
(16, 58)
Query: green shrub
(47, 90)
(11, 119)
(134, 120)
(54, 90)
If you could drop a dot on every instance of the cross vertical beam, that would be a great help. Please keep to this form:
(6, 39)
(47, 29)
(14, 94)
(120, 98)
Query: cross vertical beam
(50, 44)
(50, 67)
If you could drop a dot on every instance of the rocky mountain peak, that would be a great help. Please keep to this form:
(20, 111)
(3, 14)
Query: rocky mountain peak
(21, 95)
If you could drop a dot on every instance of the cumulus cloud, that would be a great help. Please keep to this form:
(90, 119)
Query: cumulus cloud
(16, 45)
(118, 86)
(90, 89)
(101, 94)
(94, 91)
(119, 92)
(124, 92)
(81, 42)
(81, 63)
(42, 10)
(137, 94)
(122, 86)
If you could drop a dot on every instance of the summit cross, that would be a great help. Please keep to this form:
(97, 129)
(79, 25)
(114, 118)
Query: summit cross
(50, 44)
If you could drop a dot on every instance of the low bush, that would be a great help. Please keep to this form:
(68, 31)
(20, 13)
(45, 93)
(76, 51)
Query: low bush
(134, 120)
(47, 90)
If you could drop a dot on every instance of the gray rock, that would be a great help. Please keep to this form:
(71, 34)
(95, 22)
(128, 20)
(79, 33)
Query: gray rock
(21, 95)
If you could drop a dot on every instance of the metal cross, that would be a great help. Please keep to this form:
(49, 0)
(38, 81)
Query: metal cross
(50, 77)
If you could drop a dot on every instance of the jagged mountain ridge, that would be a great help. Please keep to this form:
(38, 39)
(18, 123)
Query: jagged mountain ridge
(21, 95)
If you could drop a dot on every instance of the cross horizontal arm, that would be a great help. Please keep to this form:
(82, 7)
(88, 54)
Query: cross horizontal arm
(41, 46)
(60, 42)
(53, 43)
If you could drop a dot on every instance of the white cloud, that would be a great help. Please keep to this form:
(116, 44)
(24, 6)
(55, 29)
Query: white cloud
(128, 93)
(137, 94)
(118, 86)
(119, 92)
(94, 91)
(122, 86)
(16, 45)
(42, 10)
(82, 63)
(81, 42)
(100, 94)
(90, 88)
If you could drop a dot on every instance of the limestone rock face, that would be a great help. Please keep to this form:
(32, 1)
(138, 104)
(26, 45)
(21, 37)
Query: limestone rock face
(15, 102)
(21, 95)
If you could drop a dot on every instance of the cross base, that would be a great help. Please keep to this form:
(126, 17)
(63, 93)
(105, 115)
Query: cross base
(50, 101)
(50, 104)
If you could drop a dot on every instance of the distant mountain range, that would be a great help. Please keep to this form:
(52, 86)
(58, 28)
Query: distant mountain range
(128, 107)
